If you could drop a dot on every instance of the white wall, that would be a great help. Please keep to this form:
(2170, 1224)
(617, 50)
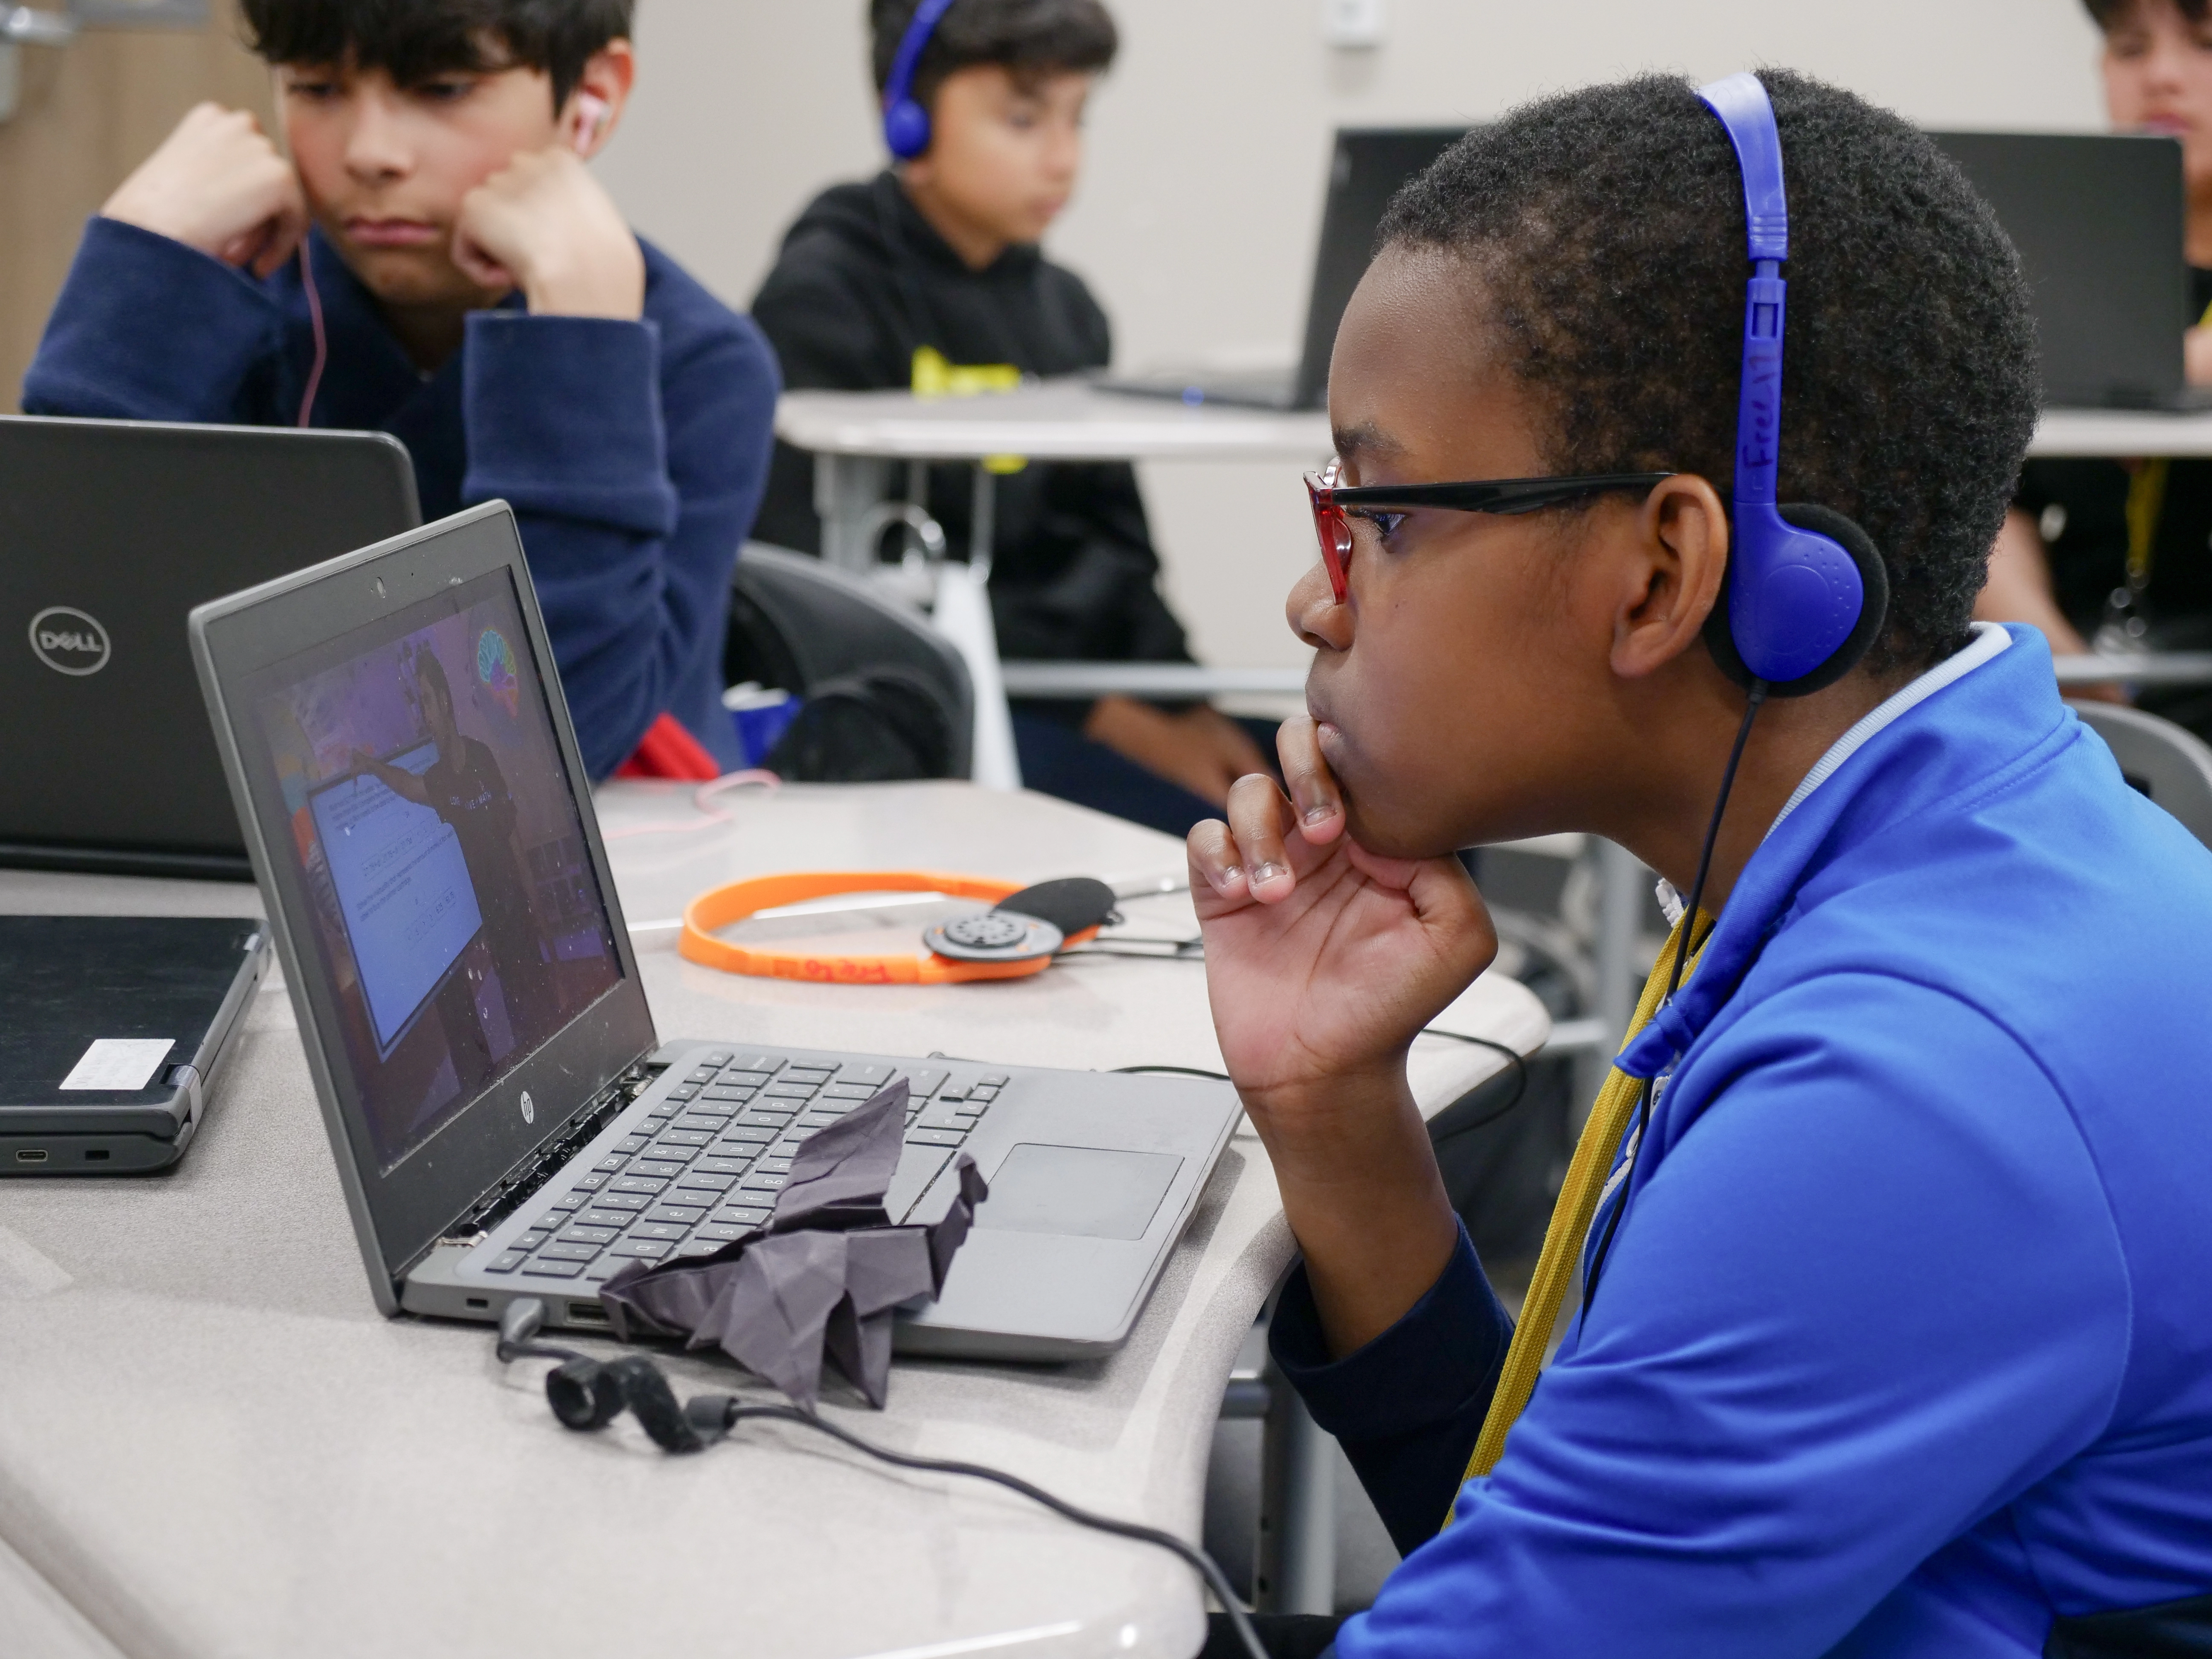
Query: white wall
(1202, 195)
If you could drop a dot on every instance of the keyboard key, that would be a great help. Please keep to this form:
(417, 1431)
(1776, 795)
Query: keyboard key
(718, 1059)
(708, 1115)
(773, 1166)
(740, 1217)
(715, 1166)
(874, 1074)
(506, 1262)
(545, 1269)
(681, 1157)
(630, 1144)
(566, 1251)
(591, 1182)
(627, 1200)
(571, 1201)
(531, 1240)
(926, 1081)
(788, 1092)
(681, 1216)
(657, 1119)
(943, 1117)
(722, 1232)
(852, 1092)
(982, 1094)
(935, 1136)
(702, 1181)
(597, 1235)
(797, 1132)
(698, 1247)
(787, 1147)
(766, 1065)
(644, 1249)
(682, 1137)
(613, 1162)
(727, 1091)
(758, 1183)
(753, 1134)
(598, 1216)
(666, 1232)
(662, 1167)
(808, 1073)
(995, 1081)
(639, 1183)
(682, 1092)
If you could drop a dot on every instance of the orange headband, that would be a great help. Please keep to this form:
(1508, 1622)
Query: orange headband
(724, 905)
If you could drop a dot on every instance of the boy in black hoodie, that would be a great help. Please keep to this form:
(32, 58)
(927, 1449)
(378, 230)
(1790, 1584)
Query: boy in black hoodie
(932, 267)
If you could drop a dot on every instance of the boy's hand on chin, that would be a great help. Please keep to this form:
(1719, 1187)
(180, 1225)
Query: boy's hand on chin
(543, 224)
(218, 185)
(1323, 960)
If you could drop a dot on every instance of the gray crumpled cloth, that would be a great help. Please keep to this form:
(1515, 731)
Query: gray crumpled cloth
(823, 1276)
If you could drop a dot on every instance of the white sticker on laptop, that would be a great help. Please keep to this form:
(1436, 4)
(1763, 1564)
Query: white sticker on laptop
(119, 1063)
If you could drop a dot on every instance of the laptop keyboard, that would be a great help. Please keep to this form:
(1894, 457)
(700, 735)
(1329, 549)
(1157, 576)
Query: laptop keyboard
(704, 1166)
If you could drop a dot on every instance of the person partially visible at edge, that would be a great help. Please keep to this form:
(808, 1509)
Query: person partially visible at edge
(1898, 1334)
(929, 276)
(482, 300)
(2116, 556)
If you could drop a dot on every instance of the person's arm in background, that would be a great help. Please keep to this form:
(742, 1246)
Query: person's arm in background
(2019, 590)
(632, 481)
(162, 318)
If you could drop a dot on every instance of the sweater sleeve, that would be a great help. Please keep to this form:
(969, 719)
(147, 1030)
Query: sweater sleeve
(1852, 1311)
(147, 328)
(633, 488)
(1408, 1407)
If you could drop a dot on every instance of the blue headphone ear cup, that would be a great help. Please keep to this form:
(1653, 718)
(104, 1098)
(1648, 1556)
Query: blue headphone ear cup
(1874, 611)
(906, 128)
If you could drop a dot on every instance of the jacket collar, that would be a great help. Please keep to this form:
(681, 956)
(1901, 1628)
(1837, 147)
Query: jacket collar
(1948, 741)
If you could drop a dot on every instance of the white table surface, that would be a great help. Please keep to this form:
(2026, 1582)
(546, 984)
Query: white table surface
(210, 1444)
(1071, 420)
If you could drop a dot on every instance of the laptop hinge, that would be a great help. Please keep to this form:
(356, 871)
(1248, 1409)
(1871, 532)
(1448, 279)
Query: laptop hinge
(551, 1157)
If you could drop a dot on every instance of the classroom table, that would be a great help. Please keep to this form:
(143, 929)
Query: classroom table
(211, 1444)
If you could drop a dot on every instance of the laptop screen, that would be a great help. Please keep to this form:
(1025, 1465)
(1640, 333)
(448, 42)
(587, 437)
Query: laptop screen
(454, 906)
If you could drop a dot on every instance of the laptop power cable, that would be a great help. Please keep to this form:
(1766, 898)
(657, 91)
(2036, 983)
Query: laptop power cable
(587, 1394)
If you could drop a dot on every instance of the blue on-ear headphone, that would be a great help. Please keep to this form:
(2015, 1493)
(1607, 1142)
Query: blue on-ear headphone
(906, 123)
(1806, 591)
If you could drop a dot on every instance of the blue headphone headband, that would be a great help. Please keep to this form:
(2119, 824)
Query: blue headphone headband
(1807, 589)
(906, 123)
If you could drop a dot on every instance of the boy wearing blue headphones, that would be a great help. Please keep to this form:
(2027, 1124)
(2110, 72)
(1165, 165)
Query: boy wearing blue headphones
(1895, 1335)
(928, 277)
(428, 256)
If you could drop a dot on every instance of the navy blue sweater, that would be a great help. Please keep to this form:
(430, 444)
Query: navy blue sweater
(633, 454)
(1904, 1346)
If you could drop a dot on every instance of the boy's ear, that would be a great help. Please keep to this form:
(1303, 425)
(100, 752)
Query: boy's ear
(1675, 575)
(588, 120)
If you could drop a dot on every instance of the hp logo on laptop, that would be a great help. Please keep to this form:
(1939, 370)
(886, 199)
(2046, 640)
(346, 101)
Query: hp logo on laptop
(69, 640)
(529, 1108)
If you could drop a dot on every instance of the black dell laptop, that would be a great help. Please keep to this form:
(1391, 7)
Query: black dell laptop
(2099, 222)
(110, 533)
(1365, 169)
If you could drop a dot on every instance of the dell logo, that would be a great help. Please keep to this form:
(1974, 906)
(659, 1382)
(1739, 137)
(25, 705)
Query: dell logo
(69, 641)
(529, 1108)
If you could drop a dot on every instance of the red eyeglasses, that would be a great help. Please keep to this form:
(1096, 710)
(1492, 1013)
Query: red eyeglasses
(1332, 523)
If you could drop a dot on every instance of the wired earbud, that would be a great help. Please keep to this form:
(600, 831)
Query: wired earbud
(906, 123)
(587, 1394)
(1806, 593)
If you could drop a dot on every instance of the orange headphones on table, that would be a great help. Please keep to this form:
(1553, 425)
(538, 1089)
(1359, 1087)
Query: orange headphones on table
(1019, 936)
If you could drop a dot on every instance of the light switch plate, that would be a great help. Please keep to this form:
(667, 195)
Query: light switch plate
(1352, 22)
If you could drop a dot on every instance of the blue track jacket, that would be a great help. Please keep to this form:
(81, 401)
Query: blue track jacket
(1905, 1343)
(633, 454)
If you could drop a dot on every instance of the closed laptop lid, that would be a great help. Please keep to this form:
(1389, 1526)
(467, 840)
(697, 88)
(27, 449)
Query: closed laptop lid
(421, 827)
(110, 533)
(101, 1013)
(2099, 221)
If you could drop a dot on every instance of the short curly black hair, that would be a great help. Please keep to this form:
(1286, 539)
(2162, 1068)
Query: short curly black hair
(1029, 37)
(1604, 229)
(414, 40)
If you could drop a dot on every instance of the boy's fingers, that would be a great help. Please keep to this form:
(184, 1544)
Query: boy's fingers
(1258, 817)
(1315, 797)
(1215, 864)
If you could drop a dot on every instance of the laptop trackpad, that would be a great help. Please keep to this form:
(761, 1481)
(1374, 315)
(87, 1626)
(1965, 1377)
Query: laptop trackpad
(1080, 1190)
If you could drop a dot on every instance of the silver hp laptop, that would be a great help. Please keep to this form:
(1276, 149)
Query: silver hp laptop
(1366, 170)
(506, 1121)
(110, 533)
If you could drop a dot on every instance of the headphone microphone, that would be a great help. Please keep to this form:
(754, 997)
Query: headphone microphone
(1806, 591)
(906, 123)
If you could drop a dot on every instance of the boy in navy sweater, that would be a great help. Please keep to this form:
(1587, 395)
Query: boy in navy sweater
(1897, 1336)
(433, 260)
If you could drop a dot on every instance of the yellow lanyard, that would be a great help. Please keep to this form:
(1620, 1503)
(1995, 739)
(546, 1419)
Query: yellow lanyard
(1571, 1220)
(2146, 504)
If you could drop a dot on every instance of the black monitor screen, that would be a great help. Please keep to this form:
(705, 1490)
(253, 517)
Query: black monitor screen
(455, 911)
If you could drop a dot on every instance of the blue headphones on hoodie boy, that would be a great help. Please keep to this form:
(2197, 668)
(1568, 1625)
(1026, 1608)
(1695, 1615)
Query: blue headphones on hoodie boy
(906, 123)
(1806, 593)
